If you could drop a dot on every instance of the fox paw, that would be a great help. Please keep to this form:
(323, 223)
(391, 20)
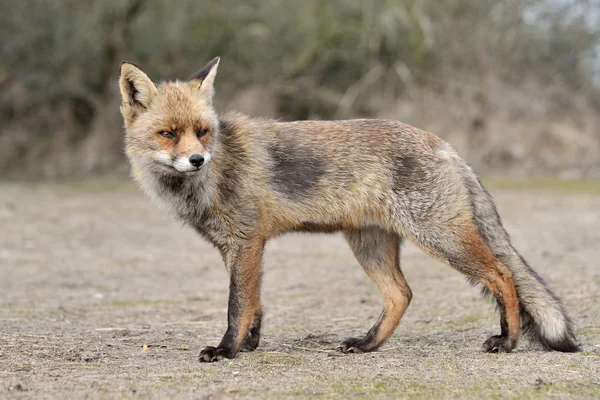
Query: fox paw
(211, 354)
(355, 345)
(498, 344)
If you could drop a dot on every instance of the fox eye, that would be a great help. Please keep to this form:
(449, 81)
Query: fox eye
(202, 132)
(168, 135)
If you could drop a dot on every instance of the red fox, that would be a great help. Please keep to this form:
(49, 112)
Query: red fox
(239, 181)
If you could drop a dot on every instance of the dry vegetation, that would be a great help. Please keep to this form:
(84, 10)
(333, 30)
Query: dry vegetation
(507, 82)
(510, 83)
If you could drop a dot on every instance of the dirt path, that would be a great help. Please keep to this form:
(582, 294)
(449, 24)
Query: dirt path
(89, 274)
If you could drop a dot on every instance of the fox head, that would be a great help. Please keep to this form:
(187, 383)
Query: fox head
(170, 127)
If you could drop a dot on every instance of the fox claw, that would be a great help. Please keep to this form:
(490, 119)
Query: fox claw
(353, 345)
(498, 344)
(212, 354)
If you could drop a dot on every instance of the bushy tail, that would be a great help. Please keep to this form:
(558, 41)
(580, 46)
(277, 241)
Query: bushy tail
(543, 317)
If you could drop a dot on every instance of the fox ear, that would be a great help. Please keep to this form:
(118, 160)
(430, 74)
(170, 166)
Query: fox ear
(137, 90)
(206, 78)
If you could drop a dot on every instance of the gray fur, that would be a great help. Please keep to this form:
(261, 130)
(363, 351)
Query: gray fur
(407, 172)
(296, 170)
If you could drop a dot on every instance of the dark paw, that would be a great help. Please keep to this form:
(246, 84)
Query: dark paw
(211, 354)
(355, 345)
(498, 344)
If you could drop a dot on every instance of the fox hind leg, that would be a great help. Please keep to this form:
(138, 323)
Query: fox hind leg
(378, 252)
(460, 245)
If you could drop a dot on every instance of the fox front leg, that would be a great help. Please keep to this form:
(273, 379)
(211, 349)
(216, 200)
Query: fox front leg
(245, 270)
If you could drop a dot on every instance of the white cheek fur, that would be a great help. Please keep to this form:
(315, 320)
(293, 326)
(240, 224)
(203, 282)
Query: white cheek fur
(182, 164)
(163, 157)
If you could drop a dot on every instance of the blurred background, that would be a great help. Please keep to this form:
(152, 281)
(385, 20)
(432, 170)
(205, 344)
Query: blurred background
(514, 85)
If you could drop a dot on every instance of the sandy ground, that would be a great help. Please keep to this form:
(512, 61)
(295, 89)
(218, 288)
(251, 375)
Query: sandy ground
(92, 272)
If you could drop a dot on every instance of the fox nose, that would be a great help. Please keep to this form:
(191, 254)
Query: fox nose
(196, 160)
